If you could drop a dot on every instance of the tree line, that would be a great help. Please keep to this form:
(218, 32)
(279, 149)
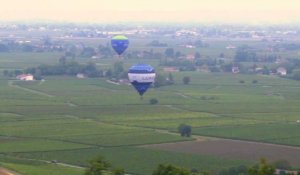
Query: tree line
(99, 166)
(90, 70)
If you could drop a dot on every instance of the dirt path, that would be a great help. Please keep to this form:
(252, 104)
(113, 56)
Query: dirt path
(11, 84)
(182, 95)
(111, 82)
(195, 137)
(173, 107)
(4, 171)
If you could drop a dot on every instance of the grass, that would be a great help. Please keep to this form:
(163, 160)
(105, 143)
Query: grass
(45, 169)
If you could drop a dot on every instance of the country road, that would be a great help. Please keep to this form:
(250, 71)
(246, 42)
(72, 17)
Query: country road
(11, 84)
(4, 171)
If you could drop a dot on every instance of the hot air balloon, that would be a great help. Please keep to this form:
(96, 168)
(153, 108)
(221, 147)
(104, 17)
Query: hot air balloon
(141, 76)
(119, 43)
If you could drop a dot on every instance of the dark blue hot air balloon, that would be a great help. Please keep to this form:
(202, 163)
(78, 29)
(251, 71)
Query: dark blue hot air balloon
(141, 76)
(119, 43)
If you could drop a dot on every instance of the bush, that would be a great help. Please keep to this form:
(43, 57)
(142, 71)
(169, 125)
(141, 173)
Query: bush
(153, 101)
(170, 169)
(242, 81)
(254, 81)
(185, 130)
(186, 80)
(282, 164)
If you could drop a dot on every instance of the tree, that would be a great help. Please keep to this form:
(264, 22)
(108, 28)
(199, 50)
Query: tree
(160, 80)
(263, 168)
(156, 43)
(296, 74)
(185, 130)
(91, 70)
(222, 55)
(170, 170)
(88, 52)
(244, 53)
(4, 48)
(105, 51)
(118, 171)
(27, 48)
(47, 40)
(62, 60)
(170, 79)
(97, 166)
(108, 73)
(169, 52)
(157, 55)
(167, 169)
(70, 54)
(265, 70)
(282, 164)
(227, 67)
(18, 72)
(100, 166)
(5, 72)
(198, 43)
(37, 74)
(153, 101)
(71, 51)
(197, 55)
(186, 80)
(118, 70)
(178, 54)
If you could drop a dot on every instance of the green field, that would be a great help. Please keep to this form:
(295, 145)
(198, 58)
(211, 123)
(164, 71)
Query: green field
(137, 160)
(45, 169)
(73, 120)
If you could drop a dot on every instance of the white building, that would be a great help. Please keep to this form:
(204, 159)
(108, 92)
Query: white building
(235, 69)
(80, 75)
(230, 47)
(25, 77)
(281, 71)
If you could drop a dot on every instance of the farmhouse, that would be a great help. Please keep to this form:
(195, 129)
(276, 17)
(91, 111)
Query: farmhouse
(281, 71)
(203, 68)
(171, 69)
(80, 75)
(235, 69)
(25, 77)
(190, 57)
(189, 46)
(230, 47)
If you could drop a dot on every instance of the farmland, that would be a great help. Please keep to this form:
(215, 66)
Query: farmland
(227, 148)
(72, 120)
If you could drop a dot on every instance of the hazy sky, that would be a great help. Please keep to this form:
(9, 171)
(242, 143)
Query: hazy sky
(226, 11)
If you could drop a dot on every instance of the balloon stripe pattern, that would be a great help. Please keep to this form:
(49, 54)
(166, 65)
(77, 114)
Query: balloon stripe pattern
(141, 76)
(119, 43)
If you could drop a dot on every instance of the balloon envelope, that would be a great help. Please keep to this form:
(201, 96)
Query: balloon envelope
(141, 76)
(119, 43)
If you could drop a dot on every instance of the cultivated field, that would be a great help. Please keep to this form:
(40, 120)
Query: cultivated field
(72, 120)
(227, 148)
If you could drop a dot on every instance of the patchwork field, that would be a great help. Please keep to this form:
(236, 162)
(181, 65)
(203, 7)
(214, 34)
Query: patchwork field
(72, 120)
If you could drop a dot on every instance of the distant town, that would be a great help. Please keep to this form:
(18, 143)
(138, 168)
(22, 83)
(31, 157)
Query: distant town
(268, 50)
